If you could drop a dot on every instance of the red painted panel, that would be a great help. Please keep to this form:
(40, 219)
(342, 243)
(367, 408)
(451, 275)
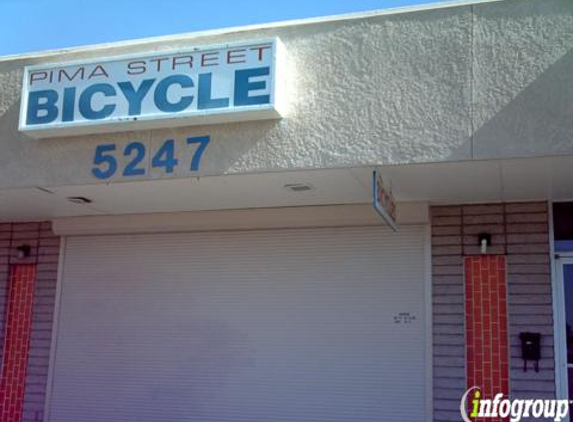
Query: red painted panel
(486, 325)
(17, 341)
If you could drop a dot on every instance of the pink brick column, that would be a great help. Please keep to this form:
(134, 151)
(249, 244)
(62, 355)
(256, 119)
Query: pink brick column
(17, 341)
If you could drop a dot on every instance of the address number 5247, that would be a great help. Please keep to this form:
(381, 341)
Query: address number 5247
(106, 164)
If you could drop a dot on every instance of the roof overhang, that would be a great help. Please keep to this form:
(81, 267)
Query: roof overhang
(548, 178)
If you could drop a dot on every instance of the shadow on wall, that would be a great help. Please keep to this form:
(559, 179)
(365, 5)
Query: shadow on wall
(538, 121)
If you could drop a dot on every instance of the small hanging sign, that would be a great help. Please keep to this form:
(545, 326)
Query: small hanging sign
(383, 201)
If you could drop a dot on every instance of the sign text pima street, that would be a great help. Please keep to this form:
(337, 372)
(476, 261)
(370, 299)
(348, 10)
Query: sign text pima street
(175, 88)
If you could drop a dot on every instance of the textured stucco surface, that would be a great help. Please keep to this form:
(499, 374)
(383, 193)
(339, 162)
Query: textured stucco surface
(523, 92)
(449, 84)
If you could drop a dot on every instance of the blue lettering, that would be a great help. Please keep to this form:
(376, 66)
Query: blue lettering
(243, 86)
(135, 97)
(49, 98)
(205, 101)
(68, 106)
(85, 104)
(160, 97)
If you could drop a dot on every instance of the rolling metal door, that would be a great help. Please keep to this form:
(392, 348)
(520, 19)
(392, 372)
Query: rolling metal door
(279, 325)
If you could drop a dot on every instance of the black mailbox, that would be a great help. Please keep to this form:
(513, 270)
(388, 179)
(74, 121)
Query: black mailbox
(530, 349)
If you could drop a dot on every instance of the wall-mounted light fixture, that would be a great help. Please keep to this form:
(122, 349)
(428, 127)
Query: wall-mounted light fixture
(484, 240)
(24, 251)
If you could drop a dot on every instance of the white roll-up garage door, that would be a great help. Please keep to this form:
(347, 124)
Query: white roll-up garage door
(261, 326)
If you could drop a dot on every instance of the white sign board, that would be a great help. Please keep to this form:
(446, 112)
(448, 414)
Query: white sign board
(383, 201)
(202, 85)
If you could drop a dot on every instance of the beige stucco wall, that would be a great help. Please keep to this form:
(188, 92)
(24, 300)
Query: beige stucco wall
(478, 81)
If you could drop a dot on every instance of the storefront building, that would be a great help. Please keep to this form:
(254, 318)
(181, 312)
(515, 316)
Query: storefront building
(353, 218)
